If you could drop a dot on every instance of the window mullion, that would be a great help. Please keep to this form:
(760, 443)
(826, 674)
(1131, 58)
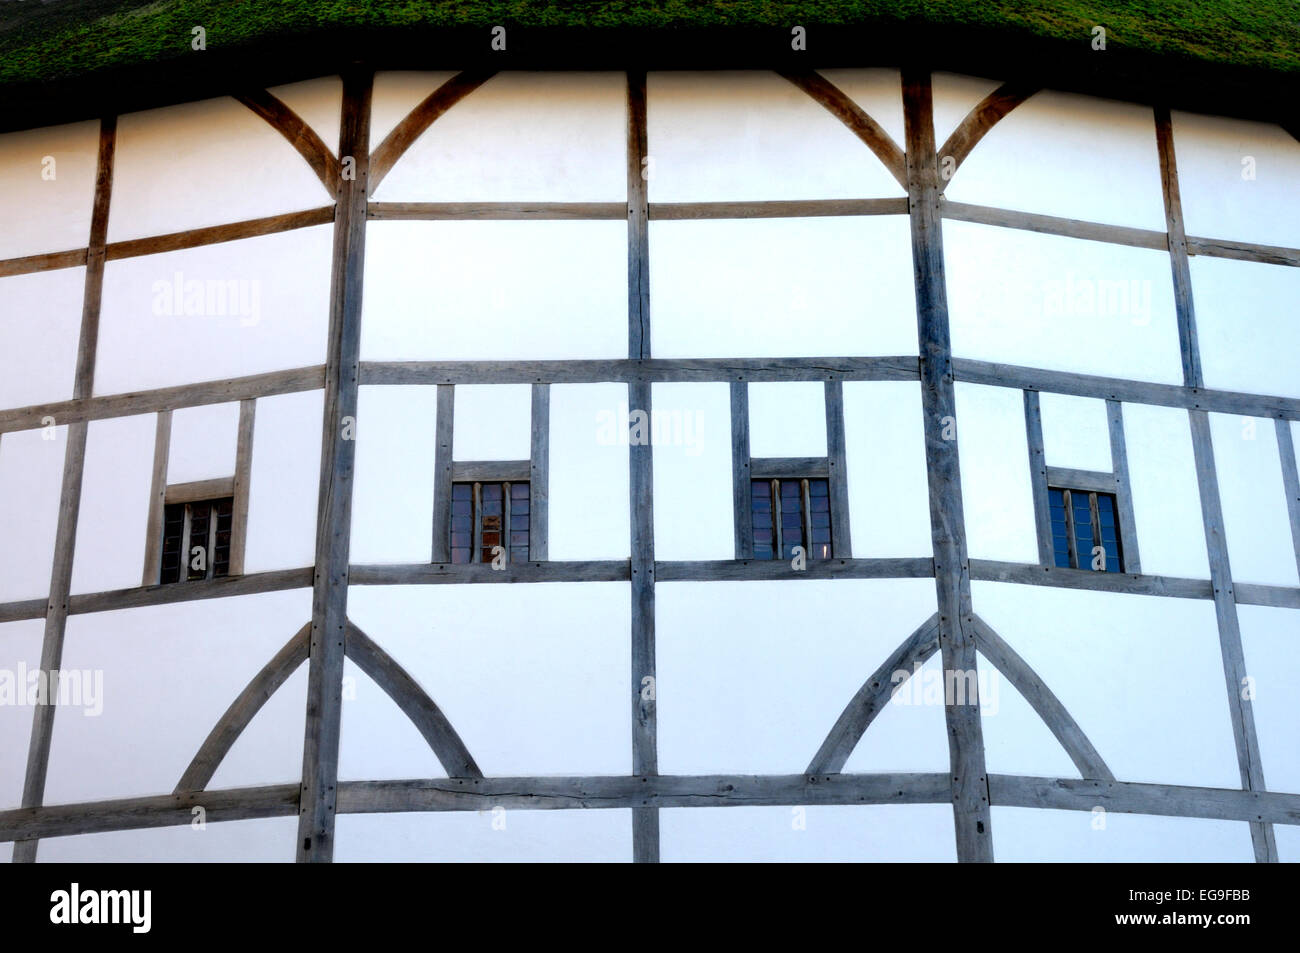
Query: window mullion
(476, 537)
(807, 518)
(1073, 544)
(776, 521)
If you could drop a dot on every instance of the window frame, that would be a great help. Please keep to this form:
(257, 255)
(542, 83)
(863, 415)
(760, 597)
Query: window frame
(476, 518)
(1094, 512)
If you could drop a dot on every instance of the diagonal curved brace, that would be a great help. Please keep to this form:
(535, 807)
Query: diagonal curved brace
(1049, 708)
(300, 135)
(414, 701)
(872, 697)
(852, 115)
(250, 701)
(404, 134)
(986, 114)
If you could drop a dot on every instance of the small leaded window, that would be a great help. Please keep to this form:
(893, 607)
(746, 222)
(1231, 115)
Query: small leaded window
(196, 540)
(1082, 521)
(788, 513)
(485, 516)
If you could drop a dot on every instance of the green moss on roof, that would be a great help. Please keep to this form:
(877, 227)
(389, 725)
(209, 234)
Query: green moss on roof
(44, 40)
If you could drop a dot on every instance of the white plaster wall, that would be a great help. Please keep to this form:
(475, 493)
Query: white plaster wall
(265, 840)
(1219, 199)
(1255, 520)
(114, 515)
(1142, 676)
(201, 164)
(518, 836)
(149, 339)
(492, 422)
(692, 472)
(1033, 835)
(40, 323)
(913, 833)
(168, 673)
(1016, 740)
(54, 212)
(1076, 432)
(475, 290)
(285, 482)
(1166, 498)
(1070, 156)
(787, 419)
(889, 501)
(724, 136)
(814, 287)
(589, 481)
(203, 442)
(954, 96)
(751, 678)
(31, 480)
(368, 715)
(1288, 843)
(392, 490)
(20, 653)
(521, 137)
(534, 678)
(1063, 304)
(1246, 325)
(995, 479)
(880, 94)
(1269, 640)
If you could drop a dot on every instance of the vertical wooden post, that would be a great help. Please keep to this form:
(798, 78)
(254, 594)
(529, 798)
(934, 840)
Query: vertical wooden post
(157, 496)
(446, 415)
(838, 469)
(645, 757)
(741, 487)
(338, 453)
(243, 480)
(1178, 259)
(1038, 477)
(970, 794)
(539, 475)
(56, 609)
(1128, 540)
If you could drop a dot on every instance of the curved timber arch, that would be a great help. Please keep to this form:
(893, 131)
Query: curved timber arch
(917, 648)
(414, 702)
(986, 114)
(839, 105)
(419, 119)
(300, 135)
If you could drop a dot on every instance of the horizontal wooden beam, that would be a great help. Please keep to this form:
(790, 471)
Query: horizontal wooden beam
(780, 208)
(199, 490)
(216, 234)
(491, 471)
(496, 211)
(49, 261)
(902, 368)
(1243, 251)
(788, 468)
(421, 574)
(1129, 391)
(1071, 479)
(729, 570)
(990, 570)
(270, 384)
(1053, 225)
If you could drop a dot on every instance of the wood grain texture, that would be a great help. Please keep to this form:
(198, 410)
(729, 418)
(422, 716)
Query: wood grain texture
(1128, 797)
(992, 570)
(56, 614)
(1041, 698)
(638, 217)
(741, 489)
(1290, 483)
(216, 234)
(870, 700)
(979, 121)
(79, 410)
(1128, 538)
(1178, 260)
(970, 799)
(702, 370)
(242, 710)
(776, 208)
(539, 481)
(496, 211)
(737, 570)
(1240, 708)
(788, 468)
(1053, 225)
(1091, 480)
(839, 105)
(1243, 251)
(48, 261)
(243, 481)
(645, 744)
(414, 702)
(419, 119)
(157, 498)
(298, 134)
(199, 490)
(1038, 477)
(837, 463)
(463, 574)
(334, 508)
(444, 466)
(491, 471)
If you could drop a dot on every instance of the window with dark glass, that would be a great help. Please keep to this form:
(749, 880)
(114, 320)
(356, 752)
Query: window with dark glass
(485, 516)
(1081, 521)
(196, 540)
(787, 513)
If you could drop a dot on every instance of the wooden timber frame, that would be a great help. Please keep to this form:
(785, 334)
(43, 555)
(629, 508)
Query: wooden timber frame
(954, 631)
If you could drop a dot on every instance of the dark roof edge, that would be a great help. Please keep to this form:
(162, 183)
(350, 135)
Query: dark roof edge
(1142, 77)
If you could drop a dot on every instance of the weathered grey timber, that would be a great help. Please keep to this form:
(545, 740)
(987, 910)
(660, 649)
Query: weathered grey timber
(1178, 251)
(495, 211)
(414, 702)
(1123, 487)
(1081, 479)
(1038, 476)
(539, 478)
(216, 234)
(243, 480)
(775, 208)
(838, 472)
(1128, 797)
(237, 717)
(338, 453)
(788, 468)
(722, 570)
(742, 495)
(1052, 225)
(970, 800)
(992, 570)
(1290, 483)
(1041, 698)
(500, 471)
(870, 700)
(423, 574)
(56, 614)
(157, 490)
